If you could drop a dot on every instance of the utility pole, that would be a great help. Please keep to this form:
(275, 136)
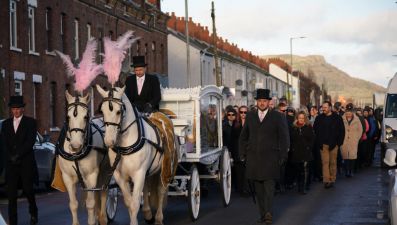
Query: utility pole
(214, 37)
(187, 44)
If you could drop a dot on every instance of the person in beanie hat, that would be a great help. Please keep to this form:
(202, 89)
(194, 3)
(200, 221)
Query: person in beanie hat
(142, 89)
(264, 143)
(19, 135)
(353, 133)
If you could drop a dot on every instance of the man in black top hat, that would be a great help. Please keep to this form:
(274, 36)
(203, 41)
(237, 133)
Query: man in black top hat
(264, 143)
(143, 90)
(19, 135)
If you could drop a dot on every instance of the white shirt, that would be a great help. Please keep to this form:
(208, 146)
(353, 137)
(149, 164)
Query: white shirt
(262, 114)
(16, 122)
(139, 82)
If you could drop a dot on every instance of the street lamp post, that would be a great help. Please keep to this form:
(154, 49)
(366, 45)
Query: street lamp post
(187, 44)
(290, 48)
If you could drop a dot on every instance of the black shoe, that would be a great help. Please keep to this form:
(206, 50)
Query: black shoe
(327, 185)
(268, 218)
(33, 220)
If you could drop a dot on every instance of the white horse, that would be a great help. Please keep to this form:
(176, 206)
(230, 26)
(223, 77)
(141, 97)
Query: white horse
(124, 129)
(76, 148)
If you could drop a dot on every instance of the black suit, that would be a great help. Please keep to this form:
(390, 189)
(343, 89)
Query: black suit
(21, 164)
(150, 92)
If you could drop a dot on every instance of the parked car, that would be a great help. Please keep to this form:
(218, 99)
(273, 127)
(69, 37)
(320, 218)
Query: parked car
(44, 152)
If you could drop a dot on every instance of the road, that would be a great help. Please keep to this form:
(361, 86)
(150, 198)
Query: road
(354, 201)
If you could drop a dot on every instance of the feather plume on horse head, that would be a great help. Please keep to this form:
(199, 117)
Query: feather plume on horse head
(115, 53)
(87, 69)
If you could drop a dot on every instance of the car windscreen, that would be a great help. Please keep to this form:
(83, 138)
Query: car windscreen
(391, 106)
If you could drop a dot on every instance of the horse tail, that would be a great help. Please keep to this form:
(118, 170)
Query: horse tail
(156, 189)
(100, 206)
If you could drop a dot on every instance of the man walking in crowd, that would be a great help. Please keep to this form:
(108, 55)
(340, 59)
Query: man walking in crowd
(330, 133)
(143, 90)
(264, 143)
(19, 135)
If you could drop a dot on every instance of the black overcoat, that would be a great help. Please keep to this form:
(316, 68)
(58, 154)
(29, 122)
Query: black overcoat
(20, 143)
(302, 140)
(264, 145)
(150, 92)
(335, 133)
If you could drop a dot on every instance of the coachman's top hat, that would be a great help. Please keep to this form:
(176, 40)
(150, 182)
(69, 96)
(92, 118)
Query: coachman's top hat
(138, 61)
(263, 94)
(16, 102)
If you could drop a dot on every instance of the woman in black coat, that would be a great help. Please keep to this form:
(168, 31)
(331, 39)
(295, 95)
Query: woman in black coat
(302, 138)
(231, 132)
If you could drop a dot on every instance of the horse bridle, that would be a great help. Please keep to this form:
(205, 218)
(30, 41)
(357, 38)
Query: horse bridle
(74, 105)
(110, 99)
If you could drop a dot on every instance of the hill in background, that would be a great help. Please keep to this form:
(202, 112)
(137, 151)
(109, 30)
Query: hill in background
(340, 85)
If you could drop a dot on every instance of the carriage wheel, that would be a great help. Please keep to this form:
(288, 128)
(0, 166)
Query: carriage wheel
(112, 202)
(225, 177)
(194, 193)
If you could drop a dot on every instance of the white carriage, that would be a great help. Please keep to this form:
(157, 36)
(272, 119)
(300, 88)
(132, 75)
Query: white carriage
(197, 117)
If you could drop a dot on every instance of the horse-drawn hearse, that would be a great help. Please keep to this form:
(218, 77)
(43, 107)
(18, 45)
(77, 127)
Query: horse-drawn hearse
(144, 157)
(196, 117)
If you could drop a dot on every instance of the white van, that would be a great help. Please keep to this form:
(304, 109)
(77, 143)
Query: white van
(389, 124)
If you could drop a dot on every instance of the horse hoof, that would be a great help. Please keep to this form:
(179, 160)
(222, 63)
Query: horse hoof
(151, 221)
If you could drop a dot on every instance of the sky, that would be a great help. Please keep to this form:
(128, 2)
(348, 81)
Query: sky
(357, 36)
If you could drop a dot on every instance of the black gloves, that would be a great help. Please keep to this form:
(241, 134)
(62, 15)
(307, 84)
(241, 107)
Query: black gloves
(15, 159)
(148, 108)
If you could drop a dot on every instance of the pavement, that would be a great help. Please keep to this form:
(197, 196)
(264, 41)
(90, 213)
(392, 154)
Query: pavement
(361, 200)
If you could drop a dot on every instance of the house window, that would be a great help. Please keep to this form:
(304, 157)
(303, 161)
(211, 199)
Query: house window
(154, 61)
(53, 94)
(100, 44)
(162, 58)
(63, 32)
(31, 34)
(18, 87)
(36, 100)
(92, 103)
(48, 26)
(76, 39)
(13, 24)
(88, 31)
(138, 48)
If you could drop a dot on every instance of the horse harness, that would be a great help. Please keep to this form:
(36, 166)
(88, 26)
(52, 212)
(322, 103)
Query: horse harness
(140, 142)
(88, 139)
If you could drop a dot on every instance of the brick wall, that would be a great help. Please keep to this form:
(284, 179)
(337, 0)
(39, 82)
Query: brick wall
(106, 17)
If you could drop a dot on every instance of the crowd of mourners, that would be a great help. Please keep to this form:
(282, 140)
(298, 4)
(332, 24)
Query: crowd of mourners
(325, 142)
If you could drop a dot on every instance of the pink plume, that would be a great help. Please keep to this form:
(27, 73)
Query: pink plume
(87, 69)
(115, 53)
(70, 69)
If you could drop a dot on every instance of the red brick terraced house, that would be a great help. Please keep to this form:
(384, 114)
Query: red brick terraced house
(32, 29)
